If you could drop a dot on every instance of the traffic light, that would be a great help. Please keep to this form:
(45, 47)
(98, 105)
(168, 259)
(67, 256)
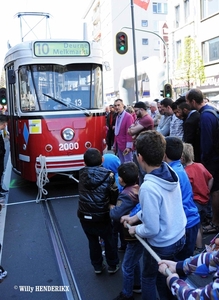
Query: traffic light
(3, 100)
(162, 93)
(168, 90)
(121, 42)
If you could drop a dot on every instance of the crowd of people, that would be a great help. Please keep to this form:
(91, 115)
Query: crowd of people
(162, 184)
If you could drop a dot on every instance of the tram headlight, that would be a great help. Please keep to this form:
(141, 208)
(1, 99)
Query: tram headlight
(68, 134)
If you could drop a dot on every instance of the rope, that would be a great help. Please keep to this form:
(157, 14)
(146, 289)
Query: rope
(151, 251)
(42, 178)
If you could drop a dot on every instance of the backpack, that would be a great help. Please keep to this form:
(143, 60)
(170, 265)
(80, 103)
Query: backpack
(216, 135)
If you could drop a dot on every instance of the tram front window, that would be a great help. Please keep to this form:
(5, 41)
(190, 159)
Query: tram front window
(55, 87)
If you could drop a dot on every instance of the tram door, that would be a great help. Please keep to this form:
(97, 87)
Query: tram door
(13, 115)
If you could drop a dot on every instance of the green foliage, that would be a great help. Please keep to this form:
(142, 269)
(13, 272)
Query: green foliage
(190, 67)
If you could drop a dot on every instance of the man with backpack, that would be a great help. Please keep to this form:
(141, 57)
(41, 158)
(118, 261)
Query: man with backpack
(209, 137)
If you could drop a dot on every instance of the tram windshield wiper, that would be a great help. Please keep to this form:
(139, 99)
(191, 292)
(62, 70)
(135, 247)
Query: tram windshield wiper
(70, 105)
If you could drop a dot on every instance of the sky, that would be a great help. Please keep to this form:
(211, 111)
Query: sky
(65, 22)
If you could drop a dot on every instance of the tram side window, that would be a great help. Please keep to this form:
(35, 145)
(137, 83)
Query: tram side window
(97, 101)
(75, 88)
(83, 85)
(28, 101)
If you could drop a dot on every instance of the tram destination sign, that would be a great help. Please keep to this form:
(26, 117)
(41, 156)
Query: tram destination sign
(60, 48)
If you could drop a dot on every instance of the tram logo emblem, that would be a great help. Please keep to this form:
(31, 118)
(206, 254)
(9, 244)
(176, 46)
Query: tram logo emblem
(25, 133)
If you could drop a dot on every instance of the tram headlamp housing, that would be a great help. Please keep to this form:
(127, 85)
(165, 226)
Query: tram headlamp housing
(68, 134)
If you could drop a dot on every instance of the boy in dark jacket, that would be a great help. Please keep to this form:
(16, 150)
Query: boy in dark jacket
(127, 200)
(96, 189)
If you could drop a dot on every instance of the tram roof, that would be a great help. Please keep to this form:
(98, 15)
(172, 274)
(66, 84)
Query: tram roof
(23, 53)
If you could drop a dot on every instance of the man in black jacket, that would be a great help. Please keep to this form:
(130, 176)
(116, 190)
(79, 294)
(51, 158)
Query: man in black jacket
(191, 130)
(97, 190)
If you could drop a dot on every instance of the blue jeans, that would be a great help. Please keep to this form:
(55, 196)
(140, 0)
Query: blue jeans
(152, 278)
(131, 267)
(118, 234)
(189, 247)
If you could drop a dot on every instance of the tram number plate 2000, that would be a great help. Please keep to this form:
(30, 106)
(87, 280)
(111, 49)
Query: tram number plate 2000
(68, 146)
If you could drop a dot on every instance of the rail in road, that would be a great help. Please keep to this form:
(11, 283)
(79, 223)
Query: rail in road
(45, 217)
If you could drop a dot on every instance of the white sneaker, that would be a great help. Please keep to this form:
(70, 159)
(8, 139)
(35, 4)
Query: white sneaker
(4, 274)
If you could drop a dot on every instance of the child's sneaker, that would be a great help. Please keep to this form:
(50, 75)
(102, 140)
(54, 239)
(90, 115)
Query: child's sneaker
(99, 270)
(3, 191)
(4, 274)
(136, 289)
(113, 269)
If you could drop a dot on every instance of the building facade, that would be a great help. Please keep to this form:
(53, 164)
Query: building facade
(105, 18)
(197, 19)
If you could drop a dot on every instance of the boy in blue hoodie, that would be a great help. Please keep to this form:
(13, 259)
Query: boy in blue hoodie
(112, 162)
(174, 149)
(162, 215)
(127, 200)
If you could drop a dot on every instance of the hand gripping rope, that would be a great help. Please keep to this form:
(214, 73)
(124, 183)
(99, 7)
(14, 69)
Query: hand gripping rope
(151, 251)
(42, 178)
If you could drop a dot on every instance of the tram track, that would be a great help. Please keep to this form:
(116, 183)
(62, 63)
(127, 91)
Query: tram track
(67, 275)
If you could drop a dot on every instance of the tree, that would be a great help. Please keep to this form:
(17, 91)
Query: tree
(190, 67)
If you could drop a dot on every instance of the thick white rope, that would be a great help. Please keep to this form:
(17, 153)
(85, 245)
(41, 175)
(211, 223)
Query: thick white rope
(42, 178)
(151, 251)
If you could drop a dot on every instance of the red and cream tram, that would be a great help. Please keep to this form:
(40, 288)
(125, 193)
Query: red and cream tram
(55, 105)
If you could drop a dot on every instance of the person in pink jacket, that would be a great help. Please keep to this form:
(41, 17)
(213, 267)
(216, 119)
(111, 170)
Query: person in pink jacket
(123, 143)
